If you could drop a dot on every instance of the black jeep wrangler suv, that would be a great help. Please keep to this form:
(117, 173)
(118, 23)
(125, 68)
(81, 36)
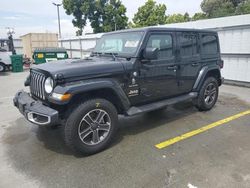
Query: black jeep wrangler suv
(129, 72)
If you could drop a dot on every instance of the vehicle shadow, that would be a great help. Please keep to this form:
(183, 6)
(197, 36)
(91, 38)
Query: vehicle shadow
(53, 139)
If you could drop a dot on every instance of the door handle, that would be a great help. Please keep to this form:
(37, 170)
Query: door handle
(195, 64)
(172, 67)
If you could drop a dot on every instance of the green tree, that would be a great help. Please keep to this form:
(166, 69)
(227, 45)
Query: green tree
(177, 18)
(237, 2)
(243, 8)
(108, 16)
(104, 15)
(130, 25)
(199, 16)
(80, 10)
(187, 17)
(97, 15)
(150, 14)
(219, 8)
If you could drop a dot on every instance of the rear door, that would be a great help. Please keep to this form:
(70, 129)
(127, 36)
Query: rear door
(189, 60)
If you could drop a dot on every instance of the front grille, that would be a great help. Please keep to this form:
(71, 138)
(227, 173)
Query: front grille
(37, 80)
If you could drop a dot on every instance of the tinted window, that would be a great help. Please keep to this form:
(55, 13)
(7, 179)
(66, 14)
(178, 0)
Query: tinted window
(164, 43)
(209, 44)
(188, 44)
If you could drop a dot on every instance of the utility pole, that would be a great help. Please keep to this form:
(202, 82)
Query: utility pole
(10, 32)
(58, 17)
(115, 22)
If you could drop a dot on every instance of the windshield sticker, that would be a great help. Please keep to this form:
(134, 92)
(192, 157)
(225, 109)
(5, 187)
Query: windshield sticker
(131, 44)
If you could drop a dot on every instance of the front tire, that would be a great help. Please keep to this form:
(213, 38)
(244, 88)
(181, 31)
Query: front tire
(207, 95)
(91, 126)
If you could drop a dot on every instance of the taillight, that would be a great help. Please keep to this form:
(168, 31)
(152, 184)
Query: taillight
(221, 64)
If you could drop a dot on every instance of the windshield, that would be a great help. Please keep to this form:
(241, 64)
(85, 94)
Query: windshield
(119, 44)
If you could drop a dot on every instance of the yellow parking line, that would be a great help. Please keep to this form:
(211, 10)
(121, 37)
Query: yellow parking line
(198, 131)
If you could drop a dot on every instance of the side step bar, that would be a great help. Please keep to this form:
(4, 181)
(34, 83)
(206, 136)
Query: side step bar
(160, 104)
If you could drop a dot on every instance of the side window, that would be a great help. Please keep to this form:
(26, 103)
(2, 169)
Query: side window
(209, 45)
(188, 45)
(164, 42)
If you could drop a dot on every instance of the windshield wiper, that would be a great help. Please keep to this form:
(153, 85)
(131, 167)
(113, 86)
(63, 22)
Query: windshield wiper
(114, 55)
(96, 53)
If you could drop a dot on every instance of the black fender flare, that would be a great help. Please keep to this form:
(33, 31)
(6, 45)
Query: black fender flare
(202, 75)
(79, 87)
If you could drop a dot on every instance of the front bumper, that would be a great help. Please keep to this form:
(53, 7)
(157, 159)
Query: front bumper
(35, 111)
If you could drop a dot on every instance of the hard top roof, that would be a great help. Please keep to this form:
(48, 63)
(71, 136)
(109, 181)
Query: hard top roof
(156, 28)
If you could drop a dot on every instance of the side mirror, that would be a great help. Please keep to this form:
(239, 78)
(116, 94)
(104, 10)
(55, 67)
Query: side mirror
(150, 53)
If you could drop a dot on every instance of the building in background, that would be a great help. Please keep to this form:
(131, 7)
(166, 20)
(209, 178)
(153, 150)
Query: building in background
(32, 41)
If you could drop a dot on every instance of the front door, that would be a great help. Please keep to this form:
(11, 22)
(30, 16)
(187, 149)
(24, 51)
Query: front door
(159, 77)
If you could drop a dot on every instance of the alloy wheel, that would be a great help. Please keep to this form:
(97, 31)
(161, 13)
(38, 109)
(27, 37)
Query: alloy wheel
(210, 93)
(94, 127)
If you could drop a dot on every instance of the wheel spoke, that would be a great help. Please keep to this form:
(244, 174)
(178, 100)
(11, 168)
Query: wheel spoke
(207, 92)
(213, 91)
(212, 98)
(104, 127)
(88, 119)
(95, 137)
(100, 116)
(207, 99)
(210, 87)
(85, 133)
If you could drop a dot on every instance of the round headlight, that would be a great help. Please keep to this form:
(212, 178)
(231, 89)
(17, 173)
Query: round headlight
(48, 86)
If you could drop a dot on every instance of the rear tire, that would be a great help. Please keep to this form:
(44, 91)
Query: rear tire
(91, 126)
(207, 95)
(2, 67)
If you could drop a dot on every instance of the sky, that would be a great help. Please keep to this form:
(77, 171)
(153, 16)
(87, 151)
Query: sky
(27, 16)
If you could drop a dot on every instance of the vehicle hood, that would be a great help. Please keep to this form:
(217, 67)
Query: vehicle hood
(84, 68)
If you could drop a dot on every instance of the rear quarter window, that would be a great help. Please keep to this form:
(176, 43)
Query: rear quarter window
(209, 44)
